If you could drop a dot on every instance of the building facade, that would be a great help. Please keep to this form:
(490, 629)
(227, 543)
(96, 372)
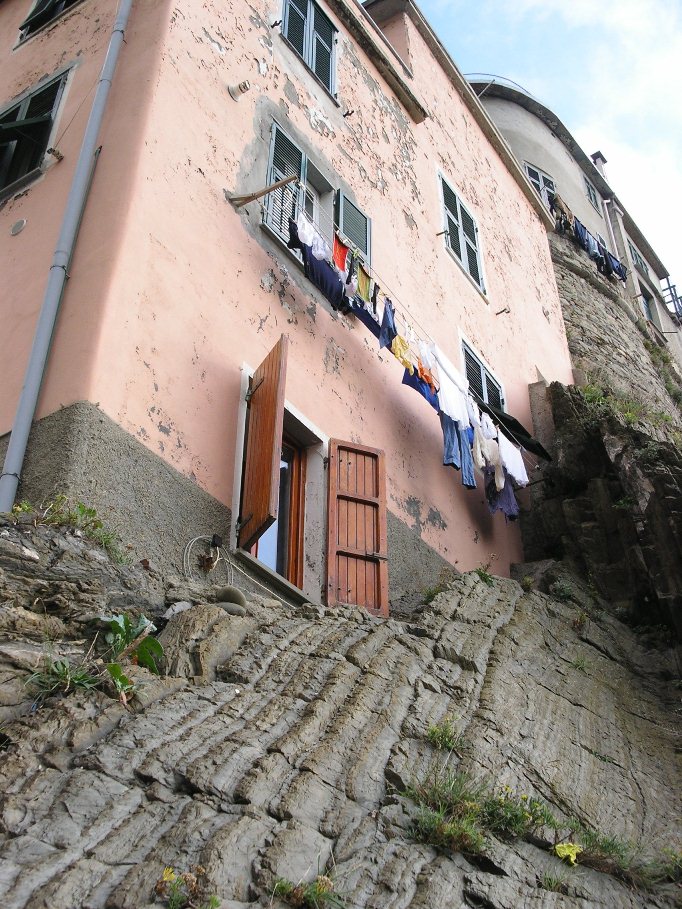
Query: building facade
(555, 163)
(199, 379)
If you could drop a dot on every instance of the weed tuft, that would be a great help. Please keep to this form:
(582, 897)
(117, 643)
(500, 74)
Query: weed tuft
(59, 677)
(317, 894)
(183, 890)
(445, 737)
(555, 883)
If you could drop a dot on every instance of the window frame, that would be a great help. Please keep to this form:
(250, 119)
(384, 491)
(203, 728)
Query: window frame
(592, 195)
(22, 105)
(543, 177)
(464, 240)
(638, 259)
(486, 375)
(308, 169)
(309, 47)
(25, 35)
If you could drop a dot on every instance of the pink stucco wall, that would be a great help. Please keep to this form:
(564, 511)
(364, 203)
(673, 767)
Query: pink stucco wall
(172, 289)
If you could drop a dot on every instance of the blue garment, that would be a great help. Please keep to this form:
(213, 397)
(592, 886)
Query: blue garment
(504, 500)
(317, 271)
(591, 245)
(618, 267)
(468, 478)
(388, 329)
(451, 453)
(422, 387)
(580, 232)
(366, 318)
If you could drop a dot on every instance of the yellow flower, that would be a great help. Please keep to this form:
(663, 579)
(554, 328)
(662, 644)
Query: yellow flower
(568, 851)
(168, 874)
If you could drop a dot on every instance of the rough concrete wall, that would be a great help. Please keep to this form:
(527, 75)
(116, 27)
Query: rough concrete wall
(283, 742)
(603, 337)
(156, 511)
(611, 504)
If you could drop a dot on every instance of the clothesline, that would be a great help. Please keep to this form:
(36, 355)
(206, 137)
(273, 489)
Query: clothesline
(425, 337)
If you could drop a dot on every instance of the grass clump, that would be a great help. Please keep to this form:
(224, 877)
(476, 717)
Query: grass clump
(317, 894)
(555, 883)
(527, 583)
(579, 664)
(562, 590)
(444, 736)
(59, 677)
(485, 576)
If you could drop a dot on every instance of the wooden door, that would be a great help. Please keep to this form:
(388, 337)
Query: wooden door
(357, 556)
(263, 450)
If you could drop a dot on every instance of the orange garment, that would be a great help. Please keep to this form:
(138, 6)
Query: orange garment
(400, 349)
(340, 253)
(425, 375)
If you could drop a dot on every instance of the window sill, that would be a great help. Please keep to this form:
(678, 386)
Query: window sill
(330, 95)
(43, 28)
(270, 579)
(12, 189)
(482, 293)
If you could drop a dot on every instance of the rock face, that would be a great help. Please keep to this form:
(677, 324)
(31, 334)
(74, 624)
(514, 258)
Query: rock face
(611, 504)
(282, 745)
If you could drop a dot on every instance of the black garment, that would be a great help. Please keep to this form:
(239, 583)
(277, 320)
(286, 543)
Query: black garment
(319, 272)
(366, 318)
(502, 500)
(518, 433)
(375, 297)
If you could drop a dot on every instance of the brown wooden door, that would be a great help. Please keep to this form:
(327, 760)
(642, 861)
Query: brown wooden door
(263, 450)
(357, 568)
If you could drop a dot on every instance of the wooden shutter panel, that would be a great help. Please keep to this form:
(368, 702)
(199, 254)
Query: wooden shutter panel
(354, 224)
(357, 567)
(471, 241)
(452, 220)
(42, 12)
(260, 489)
(323, 48)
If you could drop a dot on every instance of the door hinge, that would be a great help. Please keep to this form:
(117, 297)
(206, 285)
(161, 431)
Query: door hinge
(253, 389)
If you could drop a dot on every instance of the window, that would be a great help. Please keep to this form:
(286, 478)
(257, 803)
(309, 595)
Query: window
(315, 195)
(43, 11)
(278, 478)
(25, 131)
(543, 183)
(312, 36)
(601, 240)
(638, 259)
(481, 383)
(647, 300)
(461, 235)
(592, 194)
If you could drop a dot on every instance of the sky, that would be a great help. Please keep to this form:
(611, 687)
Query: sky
(611, 70)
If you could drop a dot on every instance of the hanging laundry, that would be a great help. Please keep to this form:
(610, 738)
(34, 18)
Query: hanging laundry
(473, 411)
(617, 266)
(468, 476)
(375, 297)
(518, 432)
(424, 389)
(580, 232)
(366, 318)
(425, 374)
(317, 271)
(486, 453)
(306, 229)
(512, 460)
(456, 450)
(452, 388)
(340, 253)
(364, 283)
(561, 210)
(321, 249)
(502, 500)
(426, 356)
(400, 350)
(388, 329)
(488, 428)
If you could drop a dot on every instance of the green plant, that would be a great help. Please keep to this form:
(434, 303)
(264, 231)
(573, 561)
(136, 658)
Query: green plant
(579, 664)
(459, 833)
(562, 590)
(60, 677)
(124, 632)
(316, 894)
(593, 394)
(123, 685)
(183, 890)
(444, 736)
(555, 883)
(511, 816)
(430, 593)
(485, 575)
(580, 621)
(527, 583)
(626, 503)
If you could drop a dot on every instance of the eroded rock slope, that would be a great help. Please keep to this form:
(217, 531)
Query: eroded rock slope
(282, 743)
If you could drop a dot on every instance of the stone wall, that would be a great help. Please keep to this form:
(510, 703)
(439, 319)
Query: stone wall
(605, 330)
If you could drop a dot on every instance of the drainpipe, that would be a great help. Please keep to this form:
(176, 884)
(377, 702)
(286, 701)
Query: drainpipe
(28, 399)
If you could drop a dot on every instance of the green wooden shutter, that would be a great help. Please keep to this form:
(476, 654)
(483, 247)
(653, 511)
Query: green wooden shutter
(355, 225)
(474, 373)
(294, 30)
(471, 243)
(451, 220)
(322, 48)
(286, 160)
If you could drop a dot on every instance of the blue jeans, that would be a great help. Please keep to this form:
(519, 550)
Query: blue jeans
(457, 450)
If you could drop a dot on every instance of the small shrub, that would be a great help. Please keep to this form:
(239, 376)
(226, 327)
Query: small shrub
(511, 816)
(123, 632)
(562, 590)
(624, 504)
(444, 736)
(580, 621)
(124, 687)
(568, 852)
(430, 593)
(593, 394)
(579, 664)
(527, 583)
(183, 890)
(316, 894)
(459, 833)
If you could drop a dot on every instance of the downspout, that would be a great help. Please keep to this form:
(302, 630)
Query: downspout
(75, 203)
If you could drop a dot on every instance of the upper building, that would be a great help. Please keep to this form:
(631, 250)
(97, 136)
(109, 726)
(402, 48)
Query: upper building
(206, 376)
(555, 163)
